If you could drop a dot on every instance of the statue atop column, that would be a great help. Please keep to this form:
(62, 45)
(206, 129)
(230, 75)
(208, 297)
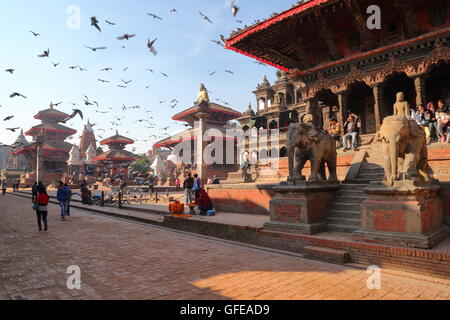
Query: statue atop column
(203, 97)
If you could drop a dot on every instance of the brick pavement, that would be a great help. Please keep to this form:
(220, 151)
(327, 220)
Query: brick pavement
(122, 260)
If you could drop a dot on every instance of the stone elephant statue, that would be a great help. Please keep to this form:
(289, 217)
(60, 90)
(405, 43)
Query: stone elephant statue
(404, 144)
(306, 142)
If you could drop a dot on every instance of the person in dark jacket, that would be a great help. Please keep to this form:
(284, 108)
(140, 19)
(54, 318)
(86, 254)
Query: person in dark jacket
(41, 202)
(188, 183)
(62, 197)
(69, 197)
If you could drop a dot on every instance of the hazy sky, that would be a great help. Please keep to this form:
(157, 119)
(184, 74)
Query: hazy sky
(185, 54)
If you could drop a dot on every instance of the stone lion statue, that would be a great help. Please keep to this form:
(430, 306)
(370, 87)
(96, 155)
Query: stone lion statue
(306, 142)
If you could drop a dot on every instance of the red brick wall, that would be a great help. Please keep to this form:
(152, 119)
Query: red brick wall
(252, 201)
(394, 221)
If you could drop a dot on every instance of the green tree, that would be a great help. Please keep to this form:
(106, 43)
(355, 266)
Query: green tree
(141, 165)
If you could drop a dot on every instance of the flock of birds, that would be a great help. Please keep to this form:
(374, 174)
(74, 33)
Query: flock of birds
(148, 121)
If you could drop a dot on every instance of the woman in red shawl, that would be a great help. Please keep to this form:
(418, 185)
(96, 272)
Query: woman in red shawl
(204, 202)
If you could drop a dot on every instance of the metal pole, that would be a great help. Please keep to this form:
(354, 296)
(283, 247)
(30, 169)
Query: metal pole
(37, 163)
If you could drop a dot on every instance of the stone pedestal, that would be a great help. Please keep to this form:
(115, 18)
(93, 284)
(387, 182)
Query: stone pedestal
(301, 208)
(408, 214)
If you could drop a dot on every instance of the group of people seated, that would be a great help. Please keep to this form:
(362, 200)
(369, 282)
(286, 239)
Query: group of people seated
(435, 121)
(351, 132)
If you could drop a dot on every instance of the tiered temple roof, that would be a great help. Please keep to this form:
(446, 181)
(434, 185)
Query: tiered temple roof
(117, 153)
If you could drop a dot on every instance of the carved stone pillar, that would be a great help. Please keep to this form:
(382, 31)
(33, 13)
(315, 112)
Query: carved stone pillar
(378, 97)
(419, 83)
(343, 101)
(326, 117)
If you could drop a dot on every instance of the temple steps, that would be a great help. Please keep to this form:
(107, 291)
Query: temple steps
(345, 210)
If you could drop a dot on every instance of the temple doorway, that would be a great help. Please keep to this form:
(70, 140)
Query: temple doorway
(361, 103)
(398, 82)
(438, 84)
(327, 101)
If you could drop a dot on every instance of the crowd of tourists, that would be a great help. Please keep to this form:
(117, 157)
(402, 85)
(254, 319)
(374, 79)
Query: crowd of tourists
(434, 121)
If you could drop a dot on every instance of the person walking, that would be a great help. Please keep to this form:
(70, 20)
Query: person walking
(188, 183)
(69, 197)
(34, 191)
(40, 203)
(4, 187)
(62, 196)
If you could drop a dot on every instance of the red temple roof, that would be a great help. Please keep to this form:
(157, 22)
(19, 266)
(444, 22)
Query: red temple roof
(214, 110)
(233, 42)
(117, 138)
(116, 155)
(51, 113)
(49, 127)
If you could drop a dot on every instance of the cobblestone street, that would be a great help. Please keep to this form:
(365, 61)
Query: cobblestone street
(123, 260)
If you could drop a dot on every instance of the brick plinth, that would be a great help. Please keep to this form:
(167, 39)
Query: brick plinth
(404, 215)
(300, 208)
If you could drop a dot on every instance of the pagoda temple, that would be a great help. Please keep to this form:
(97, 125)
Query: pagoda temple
(331, 64)
(116, 153)
(49, 140)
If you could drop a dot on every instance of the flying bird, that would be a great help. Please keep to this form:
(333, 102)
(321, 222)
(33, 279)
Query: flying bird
(218, 43)
(81, 69)
(45, 54)
(234, 8)
(126, 82)
(154, 16)
(35, 34)
(126, 36)
(212, 73)
(165, 75)
(121, 86)
(73, 115)
(125, 69)
(106, 69)
(228, 71)
(55, 64)
(147, 87)
(12, 129)
(94, 23)
(8, 118)
(104, 81)
(150, 46)
(150, 70)
(16, 94)
(110, 23)
(51, 105)
(174, 10)
(205, 17)
(10, 71)
(96, 48)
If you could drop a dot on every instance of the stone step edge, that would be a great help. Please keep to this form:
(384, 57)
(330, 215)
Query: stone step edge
(327, 254)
